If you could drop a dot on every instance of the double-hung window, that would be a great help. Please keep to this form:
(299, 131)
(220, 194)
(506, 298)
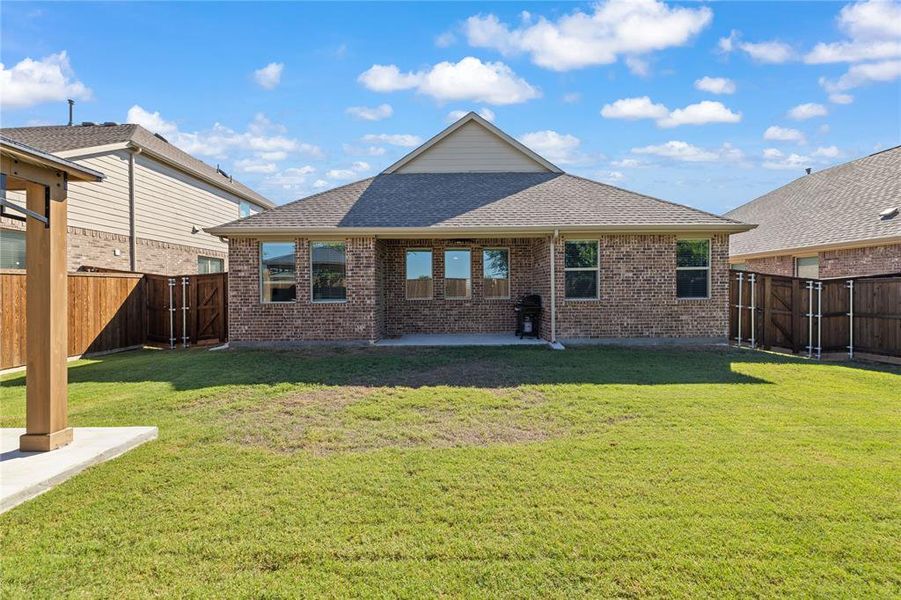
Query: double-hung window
(419, 274)
(457, 274)
(692, 268)
(807, 267)
(328, 271)
(581, 265)
(277, 272)
(496, 273)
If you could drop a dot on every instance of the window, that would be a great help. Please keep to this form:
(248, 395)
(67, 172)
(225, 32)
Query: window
(328, 269)
(277, 281)
(457, 274)
(580, 262)
(739, 267)
(496, 272)
(246, 209)
(419, 274)
(12, 249)
(807, 267)
(207, 264)
(692, 268)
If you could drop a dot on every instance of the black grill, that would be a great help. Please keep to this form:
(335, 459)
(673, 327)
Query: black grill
(528, 315)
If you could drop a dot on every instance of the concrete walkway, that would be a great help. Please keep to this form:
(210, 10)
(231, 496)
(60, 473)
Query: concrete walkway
(475, 339)
(24, 475)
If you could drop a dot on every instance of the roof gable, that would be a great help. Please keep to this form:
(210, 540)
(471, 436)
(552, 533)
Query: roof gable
(472, 145)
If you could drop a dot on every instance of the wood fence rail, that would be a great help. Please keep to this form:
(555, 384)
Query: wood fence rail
(816, 316)
(114, 310)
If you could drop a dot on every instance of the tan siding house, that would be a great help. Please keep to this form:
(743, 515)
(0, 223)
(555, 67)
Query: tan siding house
(150, 212)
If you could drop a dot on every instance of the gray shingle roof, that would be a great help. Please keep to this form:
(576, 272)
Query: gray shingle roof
(475, 200)
(58, 138)
(833, 206)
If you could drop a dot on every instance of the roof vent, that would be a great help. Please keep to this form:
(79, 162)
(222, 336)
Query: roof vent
(109, 123)
(808, 170)
(888, 213)
(156, 135)
(223, 173)
(88, 123)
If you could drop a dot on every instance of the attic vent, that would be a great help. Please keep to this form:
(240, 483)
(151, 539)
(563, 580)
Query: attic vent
(88, 123)
(109, 123)
(888, 213)
(156, 135)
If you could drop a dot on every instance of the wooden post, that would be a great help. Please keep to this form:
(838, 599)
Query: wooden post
(46, 424)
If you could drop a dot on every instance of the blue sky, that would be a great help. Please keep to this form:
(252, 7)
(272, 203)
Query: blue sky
(295, 98)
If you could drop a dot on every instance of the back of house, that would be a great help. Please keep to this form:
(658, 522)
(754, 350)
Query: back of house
(149, 213)
(447, 239)
(839, 222)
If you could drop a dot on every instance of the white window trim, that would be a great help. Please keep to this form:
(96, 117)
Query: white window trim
(707, 268)
(431, 273)
(509, 273)
(310, 247)
(597, 269)
(260, 271)
(447, 249)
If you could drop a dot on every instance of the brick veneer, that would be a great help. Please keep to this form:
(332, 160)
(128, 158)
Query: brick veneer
(638, 293)
(851, 262)
(89, 247)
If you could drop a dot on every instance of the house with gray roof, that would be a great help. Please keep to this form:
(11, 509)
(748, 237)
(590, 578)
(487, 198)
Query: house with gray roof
(447, 239)
(150, 212)
(840, 222)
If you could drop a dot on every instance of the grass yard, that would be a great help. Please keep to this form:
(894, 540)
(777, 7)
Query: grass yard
(481, 472)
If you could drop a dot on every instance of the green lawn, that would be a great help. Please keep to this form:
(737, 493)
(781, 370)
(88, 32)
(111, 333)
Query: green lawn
(516, 472)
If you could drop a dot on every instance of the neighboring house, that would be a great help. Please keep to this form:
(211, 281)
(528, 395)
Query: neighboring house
(149, 213)
(840, 222)
(449, 237)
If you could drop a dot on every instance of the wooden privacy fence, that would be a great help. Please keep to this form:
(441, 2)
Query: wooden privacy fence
(106, 311)
(848, 315)
(114, 310)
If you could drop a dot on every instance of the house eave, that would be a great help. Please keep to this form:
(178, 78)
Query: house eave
(815, 248)
(451, 232)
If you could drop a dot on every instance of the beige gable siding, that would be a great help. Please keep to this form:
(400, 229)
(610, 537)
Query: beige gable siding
(168, 203)
(472, 148)
(102, 206)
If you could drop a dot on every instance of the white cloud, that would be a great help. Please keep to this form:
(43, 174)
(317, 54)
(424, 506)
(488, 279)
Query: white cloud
(775, 159)
(405, 140)
(250, 165)
(445, 39)
(772, 52)
(808, 110)
(860, 75)
(30, 82)
(320, 184)
(827, 152)
(638, 66)
(700, 113)
(468, 79)
(783, 134)
(634, 108)
(715, 85)
(291, 178)
(683, 151)
(626, 163)
(363, 150)
(611, 176)
(559, 148)
(348, 173)
(874, 31)
(615, 28)
(269, 76)
(262, 137)
(456, 115)
(375, 113)
(841, 98)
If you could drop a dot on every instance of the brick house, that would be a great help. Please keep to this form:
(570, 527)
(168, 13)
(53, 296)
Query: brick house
(449, 237)
(840, 222)
(148, 214)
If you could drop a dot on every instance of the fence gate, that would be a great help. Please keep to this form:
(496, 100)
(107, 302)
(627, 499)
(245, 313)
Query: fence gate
(187, 309)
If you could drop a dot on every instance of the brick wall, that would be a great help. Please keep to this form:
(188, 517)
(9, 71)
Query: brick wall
(302, 320)
(89, 247)
(476, 314)
(871, 260)
(638, 292)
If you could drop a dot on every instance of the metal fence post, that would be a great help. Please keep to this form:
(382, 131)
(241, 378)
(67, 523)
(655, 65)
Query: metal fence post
(819, 319)
(809, 319)
(850, 287)
(171, 314)
(738, 307)
(184, 312)
(752, 278)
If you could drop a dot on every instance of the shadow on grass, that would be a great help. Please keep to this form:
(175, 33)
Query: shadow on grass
(420, 367)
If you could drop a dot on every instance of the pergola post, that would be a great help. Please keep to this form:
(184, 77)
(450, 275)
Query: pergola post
(46, 423)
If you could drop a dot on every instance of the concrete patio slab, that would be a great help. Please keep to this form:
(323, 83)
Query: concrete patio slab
(24, 475)
(476, 339)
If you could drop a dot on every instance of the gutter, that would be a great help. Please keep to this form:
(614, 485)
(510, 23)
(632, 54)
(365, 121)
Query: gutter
(526, 231)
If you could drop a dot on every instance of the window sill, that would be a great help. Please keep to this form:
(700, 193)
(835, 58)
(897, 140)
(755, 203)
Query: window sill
(581, 299)
(328, 301)
(678, 299)
(264, 303)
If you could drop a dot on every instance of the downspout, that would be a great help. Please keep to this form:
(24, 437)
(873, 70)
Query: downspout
(132, 235)
(554, 287)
